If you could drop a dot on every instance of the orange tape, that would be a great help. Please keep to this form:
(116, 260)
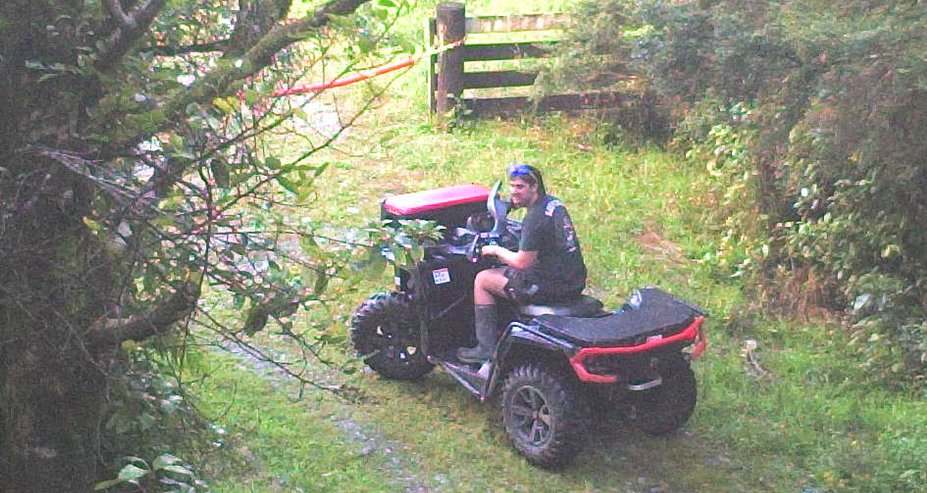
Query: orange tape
(363, 74)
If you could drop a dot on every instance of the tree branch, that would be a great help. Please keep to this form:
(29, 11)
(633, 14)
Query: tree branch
(113, 331)
(220, 80)
(210, 47)
(85, 168)
(255, 19)
(115, 9)
(131, 27)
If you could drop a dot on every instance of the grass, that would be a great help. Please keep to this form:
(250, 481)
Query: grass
(800, 414)
(279, 443)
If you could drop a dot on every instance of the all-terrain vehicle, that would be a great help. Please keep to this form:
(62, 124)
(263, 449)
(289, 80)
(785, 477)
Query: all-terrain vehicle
(555, 366)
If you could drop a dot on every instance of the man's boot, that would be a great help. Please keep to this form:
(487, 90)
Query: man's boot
(485, 325)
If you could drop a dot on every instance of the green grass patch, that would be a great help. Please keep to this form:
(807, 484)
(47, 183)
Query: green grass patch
(275, 442)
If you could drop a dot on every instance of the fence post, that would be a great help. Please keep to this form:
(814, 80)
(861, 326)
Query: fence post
(451, 27)
(431, 33)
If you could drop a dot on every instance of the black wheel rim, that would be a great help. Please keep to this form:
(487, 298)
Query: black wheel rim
(530, 416)
(394, 344)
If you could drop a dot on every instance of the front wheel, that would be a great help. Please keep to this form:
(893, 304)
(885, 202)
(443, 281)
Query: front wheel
(667, 407)
(385, 332)
(544, 414)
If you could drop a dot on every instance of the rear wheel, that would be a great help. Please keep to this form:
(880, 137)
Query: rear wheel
(667, 407)
(544, 414)
(385, 331)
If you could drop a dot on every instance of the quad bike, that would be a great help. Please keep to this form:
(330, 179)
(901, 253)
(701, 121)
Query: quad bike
(555, 366)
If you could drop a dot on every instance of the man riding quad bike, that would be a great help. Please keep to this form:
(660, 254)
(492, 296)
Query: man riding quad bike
(554, 362)
(547, 265)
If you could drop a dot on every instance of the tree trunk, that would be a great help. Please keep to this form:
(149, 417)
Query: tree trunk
(55, 278)
(51, 405)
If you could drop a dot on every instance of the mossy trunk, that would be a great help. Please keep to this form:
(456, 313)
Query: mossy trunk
(51, 401)
(54, 282)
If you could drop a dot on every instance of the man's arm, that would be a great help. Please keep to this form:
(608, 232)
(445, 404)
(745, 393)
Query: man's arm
(519, 260)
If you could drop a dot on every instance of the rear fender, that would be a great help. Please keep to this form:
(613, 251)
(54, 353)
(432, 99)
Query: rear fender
(524, 342)
(521, 336)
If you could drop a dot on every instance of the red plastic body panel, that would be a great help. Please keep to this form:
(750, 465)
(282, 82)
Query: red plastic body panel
(692, 333)
(410, 204)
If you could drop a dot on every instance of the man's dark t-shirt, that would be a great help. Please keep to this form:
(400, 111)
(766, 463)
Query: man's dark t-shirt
(559, 269)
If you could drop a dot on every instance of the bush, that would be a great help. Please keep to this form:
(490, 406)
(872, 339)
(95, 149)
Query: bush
(148, 414)
(833, 154)
(728, 186)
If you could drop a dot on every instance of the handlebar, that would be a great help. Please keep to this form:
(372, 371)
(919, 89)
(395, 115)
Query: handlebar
(474, 251)
(498, 209)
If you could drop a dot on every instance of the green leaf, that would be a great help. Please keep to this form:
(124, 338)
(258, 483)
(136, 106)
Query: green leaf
(224, 104)
(239, 249)
(257, 319)
(132, 472)
(332, 338)
(321, 283)
(288, 185)
(213, 122)
(176, 142)
(184, 154)
(416, 253)
(252, 97)
(309, 247)
(272, 162)
(109, 483)
(890, 250)
(375, 265)
(92, 225)
(163, 461)
(307, 276)
(179, 470)
(220, 171)
(321, 169)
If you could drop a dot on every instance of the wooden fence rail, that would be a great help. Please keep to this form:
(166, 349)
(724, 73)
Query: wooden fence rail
(448, 78)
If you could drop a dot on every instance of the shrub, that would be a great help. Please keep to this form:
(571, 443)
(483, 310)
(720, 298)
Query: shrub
(148, 414)
(832, 156)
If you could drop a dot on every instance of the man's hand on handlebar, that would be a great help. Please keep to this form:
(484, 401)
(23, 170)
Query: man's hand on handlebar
(519, 260)
(491, 250)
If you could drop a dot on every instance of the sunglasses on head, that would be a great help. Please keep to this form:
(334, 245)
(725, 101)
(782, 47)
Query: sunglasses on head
(520, 170)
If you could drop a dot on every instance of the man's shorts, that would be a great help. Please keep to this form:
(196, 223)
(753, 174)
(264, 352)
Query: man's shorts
(522, 289)
(527, 290)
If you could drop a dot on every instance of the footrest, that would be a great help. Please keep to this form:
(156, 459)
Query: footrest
(467, 375)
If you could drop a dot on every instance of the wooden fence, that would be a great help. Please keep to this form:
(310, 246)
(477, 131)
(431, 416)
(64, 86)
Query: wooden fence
(448, 78)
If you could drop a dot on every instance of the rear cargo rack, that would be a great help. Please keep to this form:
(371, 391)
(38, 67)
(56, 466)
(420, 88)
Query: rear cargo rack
(693, 333)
